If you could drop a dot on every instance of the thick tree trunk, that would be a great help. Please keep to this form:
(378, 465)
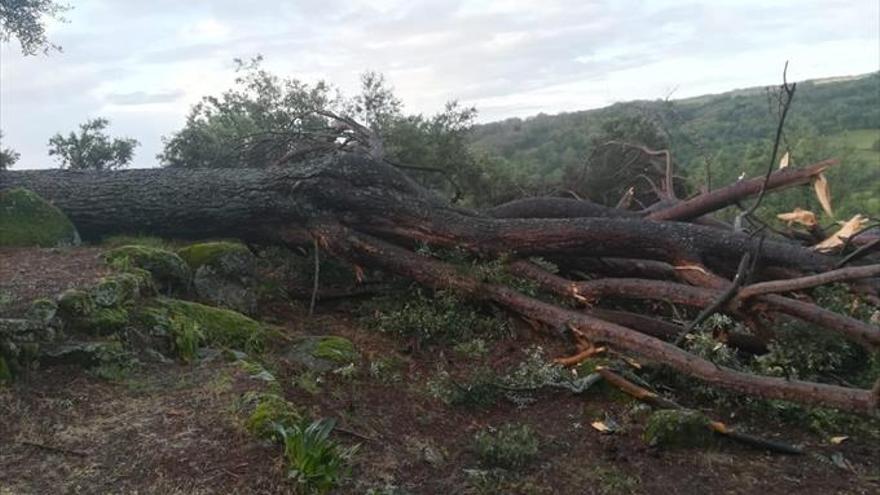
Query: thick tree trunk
(372, 213)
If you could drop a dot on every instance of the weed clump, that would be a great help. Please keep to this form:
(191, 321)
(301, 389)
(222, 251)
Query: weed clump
(508, 447)
(439, 318)
(315, 463)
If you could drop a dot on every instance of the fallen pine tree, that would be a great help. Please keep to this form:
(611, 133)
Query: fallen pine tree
(372, 214)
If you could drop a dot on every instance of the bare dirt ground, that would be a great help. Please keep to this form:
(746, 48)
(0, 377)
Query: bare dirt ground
(175, 429)
(30, 273)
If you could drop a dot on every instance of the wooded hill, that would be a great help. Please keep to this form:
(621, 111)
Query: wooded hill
(731, 131)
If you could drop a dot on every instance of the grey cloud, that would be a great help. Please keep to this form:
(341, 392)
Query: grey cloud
(143, 98)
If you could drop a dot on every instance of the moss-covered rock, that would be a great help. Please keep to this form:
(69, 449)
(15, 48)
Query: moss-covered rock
(121, 288)
(103, 321)
(169, 271)
(679, 428)
(75, 303)
(219, 327)
(85, 354)
(323, 352)
(224, 274)
(265, 411)
(43, 311)
(211, 253)
(337, 349)
(26, 219)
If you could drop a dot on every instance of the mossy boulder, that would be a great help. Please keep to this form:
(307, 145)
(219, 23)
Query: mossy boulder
(219, 327)
(121, 288)
(224, 274)
(102, 321)
(676, 428)
(170, 272)
(322, 353)
(26, 219)
(265, 410)
(85, 354)
(43, 311)
(75, 303)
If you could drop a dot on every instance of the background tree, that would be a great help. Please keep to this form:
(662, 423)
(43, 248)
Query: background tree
(8, 156)
(92, 149)
(26, 21)
(266, 120)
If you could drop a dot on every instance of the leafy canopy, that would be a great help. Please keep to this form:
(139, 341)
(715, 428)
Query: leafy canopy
(25, 20)
(92, 148)
(8, 156)
(267, 120)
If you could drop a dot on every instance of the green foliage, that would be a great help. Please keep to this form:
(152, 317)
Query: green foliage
(269, 120)
(441, 318)
(315, 463)
(25, 20)
(268, 412)
(186, 336)
(8, 156)
(26, 219)
(713, 139)
(220, 327)
(508, 447)
(92, 149)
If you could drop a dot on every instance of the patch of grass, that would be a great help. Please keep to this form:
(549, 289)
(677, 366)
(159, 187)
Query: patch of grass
(508, 447)
(315, 463)
(186, 337)
(612, 481)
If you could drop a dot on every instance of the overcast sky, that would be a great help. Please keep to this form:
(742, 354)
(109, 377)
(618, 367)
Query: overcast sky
(143, 63)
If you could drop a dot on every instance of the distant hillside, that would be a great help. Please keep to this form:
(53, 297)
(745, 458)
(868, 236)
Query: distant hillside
(732, 131)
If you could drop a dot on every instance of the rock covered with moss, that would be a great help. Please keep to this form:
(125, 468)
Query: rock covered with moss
(322, 353)
(224, 274)
(219, 327)
(28, 220)
(677, 428)
(169, 271)
(265, 410)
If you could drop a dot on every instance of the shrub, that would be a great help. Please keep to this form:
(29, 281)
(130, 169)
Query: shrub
(509, 447)
(186, 337)
(316, 463)
(442, 318)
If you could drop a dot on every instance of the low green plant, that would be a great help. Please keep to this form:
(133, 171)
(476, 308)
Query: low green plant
(508, 447)
(613, 481)
(186, 337)
(315, 463)
(441, 317)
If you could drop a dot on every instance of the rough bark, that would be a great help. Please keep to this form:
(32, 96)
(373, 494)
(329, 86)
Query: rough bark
(372, 213)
